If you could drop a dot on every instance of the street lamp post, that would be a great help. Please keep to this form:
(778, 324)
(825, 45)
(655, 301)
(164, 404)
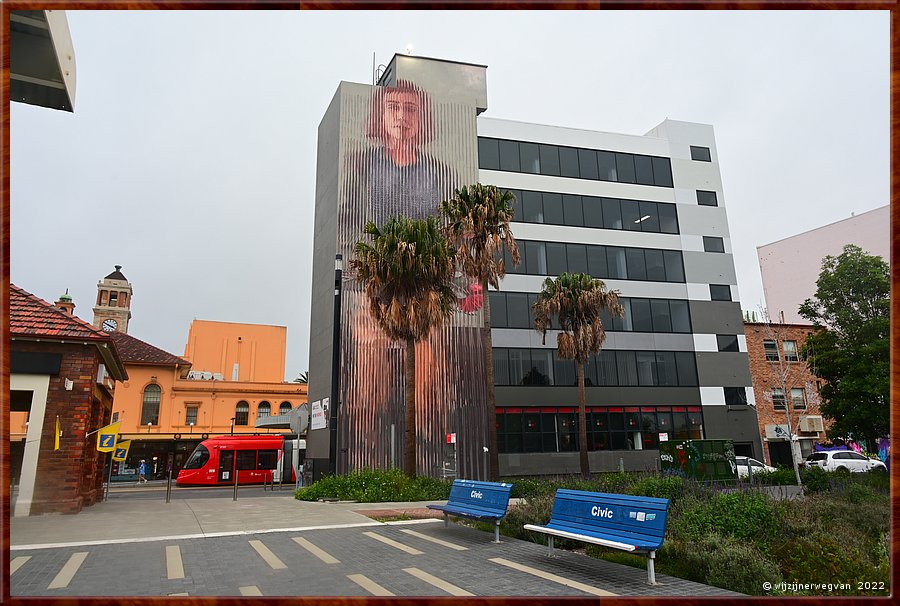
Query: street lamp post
(232, 425)
(335, 365)
(192, 426)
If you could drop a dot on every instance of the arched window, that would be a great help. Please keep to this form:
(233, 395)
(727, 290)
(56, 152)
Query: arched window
(284, 408)
(241, 413)
(150, 407)
(264, 409)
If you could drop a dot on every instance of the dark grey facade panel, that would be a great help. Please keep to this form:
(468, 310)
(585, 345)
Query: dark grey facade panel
(738, 423)
(723, 369)
(523, 396)
(717, 317)
(544, 463)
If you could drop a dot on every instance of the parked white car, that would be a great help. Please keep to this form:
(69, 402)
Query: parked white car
(746, 464)
(844, 460)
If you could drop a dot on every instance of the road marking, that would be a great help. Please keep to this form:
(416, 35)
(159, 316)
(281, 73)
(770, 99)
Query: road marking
(17, 563)
(250, 590)
(393, 543)
(369, 585)
(319, 553)
(68, 571)
(173, 594)
(174, 565)
(434, 540)
(552, 577)
(266, 554)
(439, 583)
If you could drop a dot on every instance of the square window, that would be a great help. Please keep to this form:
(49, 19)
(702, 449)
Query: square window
(727, 342)
(720, 292)
(707, 198)
(735, 395)
(700, 154)
(713, 244)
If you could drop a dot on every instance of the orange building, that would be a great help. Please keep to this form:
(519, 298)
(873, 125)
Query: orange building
(231, 375)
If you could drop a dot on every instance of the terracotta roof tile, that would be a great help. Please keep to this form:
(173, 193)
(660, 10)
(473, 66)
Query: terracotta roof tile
(31, 315)
(134, 351)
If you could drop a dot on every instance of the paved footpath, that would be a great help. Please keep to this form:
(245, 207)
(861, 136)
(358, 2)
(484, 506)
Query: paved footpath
(278, 546)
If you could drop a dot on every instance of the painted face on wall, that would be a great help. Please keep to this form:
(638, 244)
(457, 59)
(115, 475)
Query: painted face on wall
(402, 118)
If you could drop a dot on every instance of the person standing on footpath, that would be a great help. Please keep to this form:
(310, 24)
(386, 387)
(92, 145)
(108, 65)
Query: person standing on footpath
(142, 472)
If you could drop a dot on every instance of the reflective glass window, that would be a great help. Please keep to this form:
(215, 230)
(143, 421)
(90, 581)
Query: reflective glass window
(643, 170)
(488, 154)
(541, 371)
(553, 209)
(549, 160)
(713, 244)
(720, 292)
(617, 421)
(519, 365)
(501, 366)
(246, 459)
(596, 261)
(615, 258)
(687, 368)
(666, 372)
(641, 318)
(627, 368)
(700, 153)
(662, 172)
(556, 258)
(533, 206)
(668, 218)
(593, 211)
(517, 310)
(637, 268)
(568, 162)
(509, 155)
(656, 269)
(612, 213)
(607, 165)
(564, 372)
(649, 216)
(625, 168)
(607, 371)
(529, 160)
(587, 164)
(535, 258)
(727, 342)
(498, 309)
(681, 316)
(707, 198)
(662, 321)
(631, 216)
(646, 368)
(735, 395)
(573, 210)
(674, 266)
(577, 258)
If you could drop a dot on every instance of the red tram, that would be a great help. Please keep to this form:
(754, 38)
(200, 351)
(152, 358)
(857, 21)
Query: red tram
(255, 459)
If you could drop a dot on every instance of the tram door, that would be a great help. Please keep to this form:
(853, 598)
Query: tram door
(226, 466)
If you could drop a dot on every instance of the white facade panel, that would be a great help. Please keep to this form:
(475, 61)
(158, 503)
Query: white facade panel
(691, 174)
(742, 343)
(703, 220)
(692, 243)
(583, 187)
(587, 235)
(698, 292)
(712, 396)
(626, 288)
(705, 343)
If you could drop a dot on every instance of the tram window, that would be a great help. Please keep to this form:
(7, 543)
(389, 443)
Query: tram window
(198, 458)
(246, 459)
(267, 459)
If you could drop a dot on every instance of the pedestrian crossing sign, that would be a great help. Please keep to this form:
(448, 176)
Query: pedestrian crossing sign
(106, 437)
(121, 450)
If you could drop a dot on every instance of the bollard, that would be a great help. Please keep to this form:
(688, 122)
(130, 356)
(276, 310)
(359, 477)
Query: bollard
(169, 487)
(235, 483)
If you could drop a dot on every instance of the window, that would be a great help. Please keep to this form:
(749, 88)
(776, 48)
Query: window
(713, 244)
(727, 342)
(509, 156)
(113, 295)
(790, 351)
(625, 168)
(587, 164)
(735, 395)
(264, 409)
(529, 158)
(771, 349)
(700, 154)
(285, 408)
(798, 398)
(720, 292)
(549, 156)
(643, 170)
(488, 154)
(115, 417)
(267, 459)
(501, 366)
(246, 459)
(778, 399)
(607, 163)
(662, 172)
(707, 198)
(198, 458)
(190, 415)
(241, 413)
(150, 405)
(568, 162)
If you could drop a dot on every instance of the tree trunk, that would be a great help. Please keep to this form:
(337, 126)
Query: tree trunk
(493, 472)
(582, 423)
(409, 446)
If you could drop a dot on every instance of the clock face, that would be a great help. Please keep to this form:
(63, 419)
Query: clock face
(109, 325)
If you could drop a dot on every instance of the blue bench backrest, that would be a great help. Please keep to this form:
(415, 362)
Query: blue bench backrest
(641, 518)
(490, 496)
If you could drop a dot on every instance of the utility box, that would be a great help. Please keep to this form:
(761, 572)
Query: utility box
(701, 460)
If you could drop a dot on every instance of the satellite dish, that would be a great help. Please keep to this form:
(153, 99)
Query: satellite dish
(300, 419)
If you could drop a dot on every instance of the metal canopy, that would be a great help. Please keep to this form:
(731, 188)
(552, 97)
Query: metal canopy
(42, 59)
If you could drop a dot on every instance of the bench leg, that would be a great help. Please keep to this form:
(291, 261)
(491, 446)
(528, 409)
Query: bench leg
(550, 544)
(651, 573)
(446, 520)
(497, 532)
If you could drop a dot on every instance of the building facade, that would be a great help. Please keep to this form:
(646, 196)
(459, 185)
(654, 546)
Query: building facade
(790, 267)
(644, 213)
(62, 380)
(787, 392)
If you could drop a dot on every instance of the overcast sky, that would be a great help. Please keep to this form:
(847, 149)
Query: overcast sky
(190, 157)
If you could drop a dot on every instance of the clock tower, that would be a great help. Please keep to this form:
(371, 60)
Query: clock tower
(113, 309)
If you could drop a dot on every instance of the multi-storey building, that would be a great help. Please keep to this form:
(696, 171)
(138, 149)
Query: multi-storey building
(644, 213)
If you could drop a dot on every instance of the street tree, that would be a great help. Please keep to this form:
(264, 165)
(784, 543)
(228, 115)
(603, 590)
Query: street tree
(406, 271)
(576, 302)
(851, 352)
(478, 219)
(303, 379)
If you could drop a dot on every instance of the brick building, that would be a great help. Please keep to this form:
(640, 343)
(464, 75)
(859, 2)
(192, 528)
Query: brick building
(785, 390)
(61, 368)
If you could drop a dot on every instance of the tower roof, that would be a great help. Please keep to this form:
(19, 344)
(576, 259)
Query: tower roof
(116, 275)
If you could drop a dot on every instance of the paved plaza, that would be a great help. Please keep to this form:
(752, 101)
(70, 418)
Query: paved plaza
(278, 546)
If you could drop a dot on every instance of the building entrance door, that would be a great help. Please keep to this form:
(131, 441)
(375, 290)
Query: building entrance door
(226, 466)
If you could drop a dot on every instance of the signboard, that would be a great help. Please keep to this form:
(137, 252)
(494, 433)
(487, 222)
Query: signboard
(106, 437)
(451, 438)
(317, 416)
(663, 437)
(778, 432)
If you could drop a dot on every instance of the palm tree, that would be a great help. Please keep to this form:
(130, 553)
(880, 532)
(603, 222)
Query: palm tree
(478, 225)
(303, 379)
(576, 300)
(407, 274)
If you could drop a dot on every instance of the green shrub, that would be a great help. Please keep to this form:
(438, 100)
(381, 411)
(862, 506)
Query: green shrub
(782, 476)
(740, 566)
(661, 487)
(815, 479)
(819, 558)
(531, 487)
(748, 515)
(376, 486)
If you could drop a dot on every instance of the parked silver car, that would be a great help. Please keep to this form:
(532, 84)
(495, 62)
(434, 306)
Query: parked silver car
(844, 460)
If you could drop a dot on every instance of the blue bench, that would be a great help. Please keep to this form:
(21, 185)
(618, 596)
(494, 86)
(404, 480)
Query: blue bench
(636, 524)
(477, 500)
